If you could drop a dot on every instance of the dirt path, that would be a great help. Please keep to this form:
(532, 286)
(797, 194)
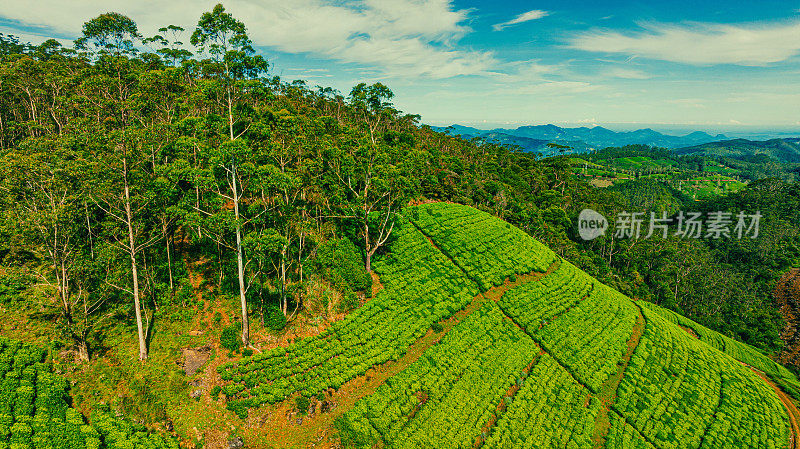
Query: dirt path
(282, 428)
(502, 403)
(791, 409)
(317, 431)
(495, 293)
(608, 391)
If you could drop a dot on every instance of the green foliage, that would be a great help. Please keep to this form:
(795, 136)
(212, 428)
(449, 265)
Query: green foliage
(481, 245)
(738, 350)
(230, 338)
(274, 319)
(215, 392)
(184, 133)
(550, 310)
(553, 410)
(342, 265)
(110, 33)
(671, 367)
(349, 302)
(42, 415)
(302, 403)
(479, 355)
(10, 288)
(379, 331)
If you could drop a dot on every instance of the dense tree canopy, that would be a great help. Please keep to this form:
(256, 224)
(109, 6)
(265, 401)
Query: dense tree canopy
(125, 161)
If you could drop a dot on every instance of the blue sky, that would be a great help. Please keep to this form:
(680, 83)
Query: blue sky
(729, 66)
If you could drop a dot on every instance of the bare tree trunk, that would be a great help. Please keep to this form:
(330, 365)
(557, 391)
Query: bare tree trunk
(240, 262)
(83, 345)
(83, 350)
(367, 248)
(284, 302)
(134, 268)
(169, 260)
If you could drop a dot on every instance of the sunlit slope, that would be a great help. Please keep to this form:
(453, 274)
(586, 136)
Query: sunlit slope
(487, 249)
(421, 286)
(35, 411)
(581, 389)
(736, 349)
(548, 356)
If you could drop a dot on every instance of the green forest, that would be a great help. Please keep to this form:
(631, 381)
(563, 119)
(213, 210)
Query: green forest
(166, 192)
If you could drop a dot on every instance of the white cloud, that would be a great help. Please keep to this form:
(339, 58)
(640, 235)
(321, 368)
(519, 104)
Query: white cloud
(700, 44)
(626, 73)
(524, 17)
(526, 71)
(400, 37)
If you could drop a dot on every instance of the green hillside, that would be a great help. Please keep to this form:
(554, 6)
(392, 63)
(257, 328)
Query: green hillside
(35, 410)
(783, 150)
(546, 357)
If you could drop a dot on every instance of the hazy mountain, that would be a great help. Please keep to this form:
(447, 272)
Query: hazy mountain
(536, 137)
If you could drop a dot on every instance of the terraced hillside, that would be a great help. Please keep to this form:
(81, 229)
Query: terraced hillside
(536, 354)
(35, 411)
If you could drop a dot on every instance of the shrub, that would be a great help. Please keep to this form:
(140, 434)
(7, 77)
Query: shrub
(274, 319)
(10, 288)
(230, 337)
(341, 263)
(302, 403)
(349, 302)
(437, 327)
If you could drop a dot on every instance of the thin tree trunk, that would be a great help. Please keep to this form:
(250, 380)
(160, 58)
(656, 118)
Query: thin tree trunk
(240, 262)
(134, 269)
(169, 260)
(284, 302)
(366, 247)
(83, 350)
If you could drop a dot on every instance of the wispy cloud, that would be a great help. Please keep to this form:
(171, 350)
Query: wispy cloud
(688, 102)
(418, 37)
(524, 17)
(626, 73)
(701, 43)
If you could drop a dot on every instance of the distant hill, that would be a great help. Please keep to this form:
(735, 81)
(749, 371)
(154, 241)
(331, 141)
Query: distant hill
(535, 138)
(782, 150)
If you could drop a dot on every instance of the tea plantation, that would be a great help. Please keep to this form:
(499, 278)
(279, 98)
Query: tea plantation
(35, 412)
(536, 354)
(553, 360)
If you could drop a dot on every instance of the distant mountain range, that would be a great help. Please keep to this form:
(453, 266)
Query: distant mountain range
(783, 150)
(535, 138)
